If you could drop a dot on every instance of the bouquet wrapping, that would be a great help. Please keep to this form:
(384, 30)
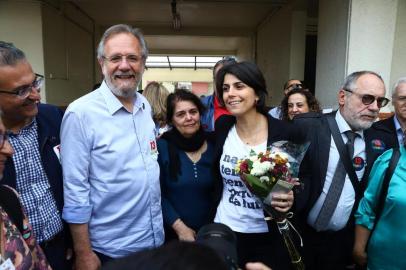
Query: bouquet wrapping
(275, 171)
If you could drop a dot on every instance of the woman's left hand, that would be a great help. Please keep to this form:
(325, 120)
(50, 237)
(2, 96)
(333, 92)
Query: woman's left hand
(282, 202)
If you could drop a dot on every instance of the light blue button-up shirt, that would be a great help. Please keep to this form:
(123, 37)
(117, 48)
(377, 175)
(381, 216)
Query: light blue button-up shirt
(111, 173)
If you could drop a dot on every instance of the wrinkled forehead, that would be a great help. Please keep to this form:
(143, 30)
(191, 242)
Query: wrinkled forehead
(370, 84)
(122, 44)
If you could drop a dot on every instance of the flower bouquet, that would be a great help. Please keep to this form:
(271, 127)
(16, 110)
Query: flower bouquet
(275, 171)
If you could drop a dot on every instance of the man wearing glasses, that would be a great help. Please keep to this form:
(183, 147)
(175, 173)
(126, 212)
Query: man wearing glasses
(335, 169)
(109, 159)
(34, 170)
(395, 125)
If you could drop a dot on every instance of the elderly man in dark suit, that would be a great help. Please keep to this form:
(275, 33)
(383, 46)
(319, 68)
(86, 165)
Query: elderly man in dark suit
(34, 170)
(395, 125)
(343, 149)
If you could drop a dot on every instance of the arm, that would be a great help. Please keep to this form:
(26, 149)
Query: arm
(75, 158)
(86, 259)
(361, 239)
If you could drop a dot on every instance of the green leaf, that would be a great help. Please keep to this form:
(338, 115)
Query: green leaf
(256, 186)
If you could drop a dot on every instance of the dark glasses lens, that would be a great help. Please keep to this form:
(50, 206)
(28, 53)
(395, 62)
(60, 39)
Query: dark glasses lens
(369, 99)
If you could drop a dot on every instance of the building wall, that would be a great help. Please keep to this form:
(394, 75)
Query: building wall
(280, 50)
(371, 36)
(20, 23)
(331, 50)
(69, 54)
(398, 68)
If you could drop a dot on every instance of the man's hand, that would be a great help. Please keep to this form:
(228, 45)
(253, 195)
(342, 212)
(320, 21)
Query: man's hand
(256, 266)
(184, 232)
(87, 261)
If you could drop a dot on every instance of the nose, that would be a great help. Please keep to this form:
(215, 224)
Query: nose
(295, 109)
(374, 106)
(188, 116)
(7, 150)
(124, 65)
(35, 94)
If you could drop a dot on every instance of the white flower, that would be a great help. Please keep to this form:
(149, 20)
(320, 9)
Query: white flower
(257, 169)
(264, 178)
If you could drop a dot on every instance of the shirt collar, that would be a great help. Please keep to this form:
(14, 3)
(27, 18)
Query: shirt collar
(113, 103)
(343, 125)
(398, 127)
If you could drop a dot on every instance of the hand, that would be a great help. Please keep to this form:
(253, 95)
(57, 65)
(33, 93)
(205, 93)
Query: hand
(360, 257)
(184, 232)
(87, 261)
(282, 202)
(256, 266)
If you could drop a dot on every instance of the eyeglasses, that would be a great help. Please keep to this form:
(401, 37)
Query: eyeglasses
(116, 59)
(3, 139)
(25, 90)
(369, 99)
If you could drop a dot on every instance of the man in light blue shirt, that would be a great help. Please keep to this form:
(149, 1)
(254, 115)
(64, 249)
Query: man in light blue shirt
(109, 159)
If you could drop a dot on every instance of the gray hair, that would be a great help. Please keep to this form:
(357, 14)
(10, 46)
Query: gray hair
(9, 54)
(396, 85)
(118, 29)
(351, 80)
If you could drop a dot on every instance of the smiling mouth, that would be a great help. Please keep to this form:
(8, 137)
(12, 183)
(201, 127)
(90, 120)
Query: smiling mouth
(231, 103)
(124, 77)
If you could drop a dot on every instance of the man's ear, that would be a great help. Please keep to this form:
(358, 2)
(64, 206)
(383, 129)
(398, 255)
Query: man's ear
(341, 97)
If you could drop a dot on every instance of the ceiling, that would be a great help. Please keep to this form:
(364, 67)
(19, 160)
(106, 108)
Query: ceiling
(198, 17)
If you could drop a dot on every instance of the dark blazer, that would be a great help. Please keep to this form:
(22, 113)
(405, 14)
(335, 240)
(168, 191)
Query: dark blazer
(49, 120)
(277, 130)
(314, 166)
(386, 129)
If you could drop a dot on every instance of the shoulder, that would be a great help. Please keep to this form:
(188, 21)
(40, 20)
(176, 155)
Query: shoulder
(49, 111)
(86, 102)
(207, 100)
(385, 125)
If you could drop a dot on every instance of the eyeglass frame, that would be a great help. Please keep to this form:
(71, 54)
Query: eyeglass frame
(379, 100)
(39, 80)
(116, 62)
(3, 139)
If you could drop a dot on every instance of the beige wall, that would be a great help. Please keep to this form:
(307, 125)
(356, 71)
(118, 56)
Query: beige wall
(280, 50)
(58, 44)
(331, 50)
(398, 68)
(20, 23)
(69, 54)
(371, 37)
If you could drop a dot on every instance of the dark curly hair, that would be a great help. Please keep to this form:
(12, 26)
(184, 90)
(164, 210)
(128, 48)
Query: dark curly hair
(312, 103)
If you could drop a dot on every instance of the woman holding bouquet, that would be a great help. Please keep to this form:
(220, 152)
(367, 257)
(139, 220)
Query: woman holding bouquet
(185, 159)
(242, 90)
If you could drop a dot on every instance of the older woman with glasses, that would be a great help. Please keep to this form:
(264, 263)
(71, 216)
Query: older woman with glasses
(18, 247)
